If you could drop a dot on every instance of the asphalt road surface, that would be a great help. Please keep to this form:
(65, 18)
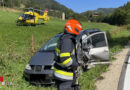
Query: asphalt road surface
(124, 81)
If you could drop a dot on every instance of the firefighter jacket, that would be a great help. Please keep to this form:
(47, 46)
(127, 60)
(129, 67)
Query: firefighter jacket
(65, 57)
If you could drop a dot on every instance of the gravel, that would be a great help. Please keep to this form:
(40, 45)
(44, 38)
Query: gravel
(111, 77)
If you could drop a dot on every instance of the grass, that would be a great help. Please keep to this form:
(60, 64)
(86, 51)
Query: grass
(15, 49)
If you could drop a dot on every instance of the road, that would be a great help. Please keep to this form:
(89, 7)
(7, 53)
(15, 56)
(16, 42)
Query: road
(124, 81)
(112, 77)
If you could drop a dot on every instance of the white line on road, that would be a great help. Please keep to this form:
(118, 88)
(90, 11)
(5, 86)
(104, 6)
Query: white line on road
(127, 76)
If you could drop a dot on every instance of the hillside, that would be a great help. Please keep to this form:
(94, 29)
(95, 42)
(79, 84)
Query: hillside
(117, 16)
(97, 15)
(101, 11)
(121, 16)
(15, 49)
(105, 10)
(41, 4)
(46, 4)
(55, 8)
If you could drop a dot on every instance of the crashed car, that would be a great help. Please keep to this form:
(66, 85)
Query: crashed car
(91, 48)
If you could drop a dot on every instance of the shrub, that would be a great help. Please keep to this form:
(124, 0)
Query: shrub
(128, 27)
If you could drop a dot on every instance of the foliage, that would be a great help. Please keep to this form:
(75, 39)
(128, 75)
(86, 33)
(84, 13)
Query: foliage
(55, 9)
(121, 16)
(14, 3)
(15, 49)
(128, 26)
(101, 12)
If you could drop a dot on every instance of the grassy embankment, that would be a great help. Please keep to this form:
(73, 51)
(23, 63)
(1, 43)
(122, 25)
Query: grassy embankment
(15, 49)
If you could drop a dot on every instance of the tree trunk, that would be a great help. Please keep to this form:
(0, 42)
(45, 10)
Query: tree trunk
(3, 3)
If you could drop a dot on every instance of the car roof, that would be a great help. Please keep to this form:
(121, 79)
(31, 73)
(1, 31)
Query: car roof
(87, 31)
(93, 30)
(58, 35)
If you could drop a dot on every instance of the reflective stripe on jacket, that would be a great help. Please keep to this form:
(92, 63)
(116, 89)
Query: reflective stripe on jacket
(66, 56)
(65, 51)
(64, 75)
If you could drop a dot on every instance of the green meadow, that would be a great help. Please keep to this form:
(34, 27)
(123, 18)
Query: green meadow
(15, 49)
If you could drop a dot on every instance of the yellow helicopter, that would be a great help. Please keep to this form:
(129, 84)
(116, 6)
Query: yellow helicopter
(31, 17)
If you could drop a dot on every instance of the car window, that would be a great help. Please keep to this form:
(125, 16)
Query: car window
(51, 44)
(98, 40)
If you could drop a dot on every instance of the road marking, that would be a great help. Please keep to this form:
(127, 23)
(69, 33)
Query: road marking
(127, 76)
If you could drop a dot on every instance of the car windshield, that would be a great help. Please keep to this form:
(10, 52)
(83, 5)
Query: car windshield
(51, 44)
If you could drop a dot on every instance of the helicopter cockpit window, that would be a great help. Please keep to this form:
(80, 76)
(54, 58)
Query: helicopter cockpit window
(28, 16)
(31, 17)
(30, 11)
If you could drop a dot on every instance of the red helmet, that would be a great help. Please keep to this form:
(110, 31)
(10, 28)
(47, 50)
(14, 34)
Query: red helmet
(72, 26)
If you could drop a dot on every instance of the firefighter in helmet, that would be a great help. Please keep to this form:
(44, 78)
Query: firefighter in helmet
(65, 56)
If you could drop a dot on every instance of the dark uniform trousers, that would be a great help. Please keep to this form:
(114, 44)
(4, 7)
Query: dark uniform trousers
(64, 85)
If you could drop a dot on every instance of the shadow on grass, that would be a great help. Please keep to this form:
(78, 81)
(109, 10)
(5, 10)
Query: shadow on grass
(30, 24)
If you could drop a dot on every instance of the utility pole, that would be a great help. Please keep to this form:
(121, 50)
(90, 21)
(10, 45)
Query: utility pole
(3, 3)
(11, 3)
(63, 16)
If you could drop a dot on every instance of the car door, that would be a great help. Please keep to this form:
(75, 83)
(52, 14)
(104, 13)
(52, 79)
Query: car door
(96, 46)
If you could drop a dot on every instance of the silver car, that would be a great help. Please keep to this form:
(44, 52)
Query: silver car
(91, 48)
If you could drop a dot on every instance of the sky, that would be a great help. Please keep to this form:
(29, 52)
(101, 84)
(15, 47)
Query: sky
(80, 6)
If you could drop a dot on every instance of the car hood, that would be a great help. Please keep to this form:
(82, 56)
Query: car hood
(42, 58)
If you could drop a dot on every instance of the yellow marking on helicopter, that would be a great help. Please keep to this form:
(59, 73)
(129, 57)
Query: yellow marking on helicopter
(31, 16)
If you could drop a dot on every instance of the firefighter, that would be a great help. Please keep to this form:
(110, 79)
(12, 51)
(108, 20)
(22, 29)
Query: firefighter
(65, 59)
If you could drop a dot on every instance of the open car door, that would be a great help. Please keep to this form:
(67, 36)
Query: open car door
(96, 47)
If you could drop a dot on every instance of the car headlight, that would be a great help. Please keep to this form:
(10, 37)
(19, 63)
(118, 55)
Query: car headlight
(28, 67)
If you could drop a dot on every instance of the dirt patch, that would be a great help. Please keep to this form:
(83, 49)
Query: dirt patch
(111, 77)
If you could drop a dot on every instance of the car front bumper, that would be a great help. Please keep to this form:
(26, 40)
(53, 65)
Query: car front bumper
(43, 77)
